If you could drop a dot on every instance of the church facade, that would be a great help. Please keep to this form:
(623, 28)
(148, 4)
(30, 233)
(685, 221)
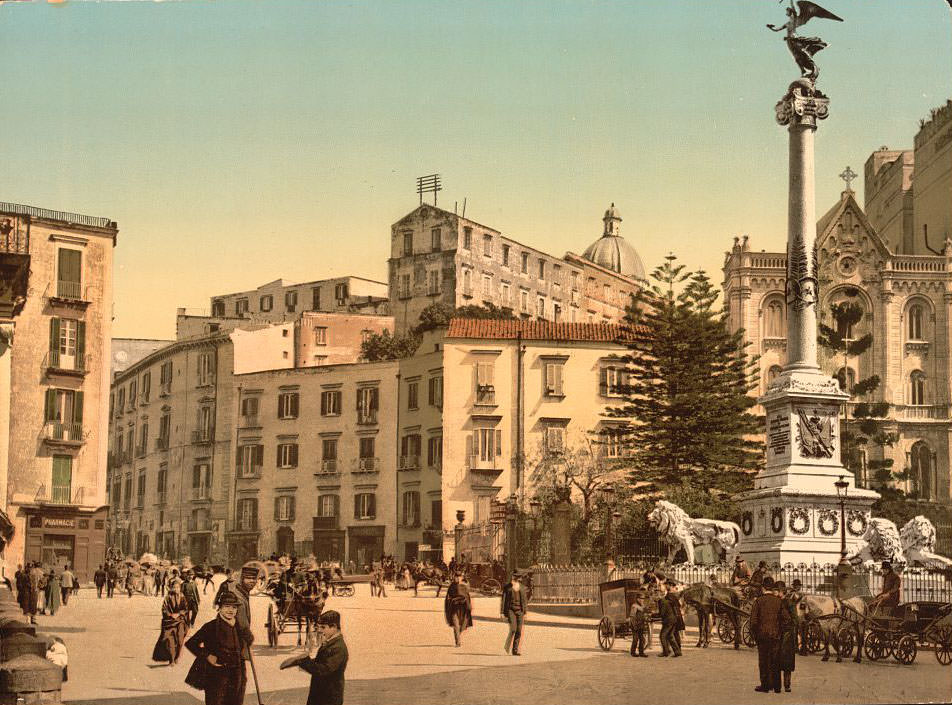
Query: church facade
(895, 262)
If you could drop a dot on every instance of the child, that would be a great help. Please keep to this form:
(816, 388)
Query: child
(639, 626)
(221, 648)
(57, 653)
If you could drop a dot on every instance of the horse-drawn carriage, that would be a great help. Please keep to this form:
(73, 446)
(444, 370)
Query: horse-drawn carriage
(615, 600)
(295, 601)
(911, 625)
(483, 577)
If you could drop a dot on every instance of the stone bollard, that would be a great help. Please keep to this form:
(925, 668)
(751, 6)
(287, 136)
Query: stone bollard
(30, 679)
(21, 644)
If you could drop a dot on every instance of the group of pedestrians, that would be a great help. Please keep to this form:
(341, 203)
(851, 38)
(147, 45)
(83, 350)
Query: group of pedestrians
(42, 592)
(773, 624)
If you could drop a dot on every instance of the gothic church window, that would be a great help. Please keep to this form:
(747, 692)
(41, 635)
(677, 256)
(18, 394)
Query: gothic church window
(775, 324)
(922, 471)
(915, 322)
(917, 388)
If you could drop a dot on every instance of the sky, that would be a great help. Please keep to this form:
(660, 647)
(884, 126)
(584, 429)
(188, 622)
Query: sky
(239, 141)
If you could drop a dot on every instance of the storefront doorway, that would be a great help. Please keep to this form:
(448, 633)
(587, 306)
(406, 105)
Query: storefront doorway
(58, 551)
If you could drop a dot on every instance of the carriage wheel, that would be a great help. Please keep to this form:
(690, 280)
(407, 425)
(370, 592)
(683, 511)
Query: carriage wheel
(346, 591)
(943, 645)
(746, 635)
(845, 642)
(875, 647)
(606, 634)
(814, 638)
(906, 650)
(490, 587)
(725, 630)
(272, 628)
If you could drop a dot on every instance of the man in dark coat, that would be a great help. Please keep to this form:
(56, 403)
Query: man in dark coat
(674, 596)
(111, 580)
(458, 607)
(190, 591)
(889, 597)
(220, 647)
(787, 652)
(669, 624)
(327, 665)
(638, 618)
(514, 606)
(99, 579)
(768, 620)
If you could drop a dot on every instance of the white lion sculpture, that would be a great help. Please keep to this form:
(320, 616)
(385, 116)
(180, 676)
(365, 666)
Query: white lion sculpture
(678, 530)
(918, 544)
(880, 542)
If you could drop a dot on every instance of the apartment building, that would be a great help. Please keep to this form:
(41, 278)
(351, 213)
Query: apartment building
(59, 383)
(440, 257)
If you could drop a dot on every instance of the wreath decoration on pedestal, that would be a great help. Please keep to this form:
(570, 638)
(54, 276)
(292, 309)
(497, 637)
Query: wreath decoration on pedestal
(799, 520)
(747, 523)
(776, 519)
(856, 522)
(828, 522)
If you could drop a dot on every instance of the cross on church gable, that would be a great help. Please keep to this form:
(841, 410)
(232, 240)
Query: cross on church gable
(848, 175)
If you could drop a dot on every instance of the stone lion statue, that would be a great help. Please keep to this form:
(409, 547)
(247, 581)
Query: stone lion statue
(678, 530)
(918, 544)
(880, 542)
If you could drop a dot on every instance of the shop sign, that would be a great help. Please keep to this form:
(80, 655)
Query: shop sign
(53, 523)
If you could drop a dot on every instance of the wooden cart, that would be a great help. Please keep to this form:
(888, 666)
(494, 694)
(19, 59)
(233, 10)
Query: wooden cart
(615, 599)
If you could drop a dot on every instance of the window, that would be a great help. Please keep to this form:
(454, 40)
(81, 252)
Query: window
(116, 496)
(250, 459)
(290, 301)
(206, 368)
(146, 387)
(524, 301)
(404, 286)
(316, 298)
(218, 309)
(553, 379)
(574, 281)
(241, 307)
(434, 452)
(165, 428)
(525, 262)
(367, 405)
(365, 506)
(615, 443)
(247, 514)
(140, 490)
(143, 445)
(64, 415)
(410, 452)
(340, 293)
(413, 389)
(435, 240)
(917, 388)
(556, 313)
(367, 453)
(506, 294)
(541, 268)
(288, 405)
(556, 275)
(320, 335)
(606, 293)
(249, 407)
(467, 238)
(330, 403)
(407, 244)
(467, 283)
(487, 286)
(845, 328)
(922, 471)
(127, 497)
(915, 322)
(67, 344)
(266, 303)
(165, 378)
(69, 274)
(433, 282)
(287, 455)
(62, 479)
(411, 509)
(774, 324)
(329, 455)
(846, 377)
(505, 255)
(133, 386)
(554, 440)
(436, 514)
(161, 483)
(485, 391)
(327, 505)
(435, 392)
(540, 307)
(486, 446)
(487, 245)
(613, 381)
(284, 508)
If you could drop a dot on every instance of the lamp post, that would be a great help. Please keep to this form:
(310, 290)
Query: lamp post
(535, 506)
(511, 514)
(843, 570)
(458, 529)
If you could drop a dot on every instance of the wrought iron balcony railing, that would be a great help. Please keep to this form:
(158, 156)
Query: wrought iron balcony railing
(59, 431)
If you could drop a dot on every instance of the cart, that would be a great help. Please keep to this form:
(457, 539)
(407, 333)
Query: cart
(911, 625)
(615, 600)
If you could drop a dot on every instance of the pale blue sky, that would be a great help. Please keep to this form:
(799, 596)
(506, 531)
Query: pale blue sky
(236, 142)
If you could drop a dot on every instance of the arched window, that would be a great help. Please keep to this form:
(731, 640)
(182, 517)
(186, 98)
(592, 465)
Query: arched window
(845, 329)
(922, 477)
(915, 322)
(775, 325)
(846, 376)
(862, 469)
(917, 388)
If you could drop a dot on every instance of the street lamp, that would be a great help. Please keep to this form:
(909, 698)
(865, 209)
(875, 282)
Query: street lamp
(512, 509)
(842, 487)
(460, 516)
(535, 508)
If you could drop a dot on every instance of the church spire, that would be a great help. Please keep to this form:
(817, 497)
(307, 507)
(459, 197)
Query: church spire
(612, 220)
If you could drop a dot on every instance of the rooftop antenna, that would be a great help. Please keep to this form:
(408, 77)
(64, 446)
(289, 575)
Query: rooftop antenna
(428, 184)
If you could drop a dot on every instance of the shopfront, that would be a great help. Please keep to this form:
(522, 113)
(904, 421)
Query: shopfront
(365, 544)
(60, 536)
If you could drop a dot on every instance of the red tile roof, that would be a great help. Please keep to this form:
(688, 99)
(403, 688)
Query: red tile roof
(535, 330)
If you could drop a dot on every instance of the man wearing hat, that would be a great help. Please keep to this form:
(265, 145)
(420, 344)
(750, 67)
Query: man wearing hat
(219, 648)
(514, 608)
(190, 591)
(458, 607)
(741, 574)
(768, 621)
(889, 597)
(326, 662)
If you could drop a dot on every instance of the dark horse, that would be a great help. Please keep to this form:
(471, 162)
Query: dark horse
(706, 599)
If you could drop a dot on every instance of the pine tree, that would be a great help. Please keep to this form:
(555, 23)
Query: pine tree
(688, 396)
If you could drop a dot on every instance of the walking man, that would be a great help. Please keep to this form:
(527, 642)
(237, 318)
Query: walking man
(67, 583)
(190, 592)
(768, 621)
(669, 623)
(514, 608)
(458, 607)
(99, 580)
(112, 580)
(675, 597)
(639, 626)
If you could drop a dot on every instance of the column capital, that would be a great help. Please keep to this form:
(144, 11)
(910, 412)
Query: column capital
(803, 105)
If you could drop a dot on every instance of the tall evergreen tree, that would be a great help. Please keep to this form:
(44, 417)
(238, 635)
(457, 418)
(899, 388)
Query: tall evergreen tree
(689, 390)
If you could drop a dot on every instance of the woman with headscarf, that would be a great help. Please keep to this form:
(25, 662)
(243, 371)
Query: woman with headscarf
(53, 595)
(174, 627)
(458, 607)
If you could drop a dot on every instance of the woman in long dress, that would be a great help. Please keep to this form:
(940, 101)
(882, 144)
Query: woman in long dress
(788, 639)
(458, 607)
(174, 628)
(53, 593)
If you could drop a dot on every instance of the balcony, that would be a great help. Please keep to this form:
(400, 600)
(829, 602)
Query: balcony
(928, 412)
(69, 291)
(201, 493)
(479, 463)
(59, 364)
(486, 395)
(59, 494)
(246, 526)
(367, 465)
(165, 388)
(409, 462)
(200, 524)
(203, 435)
(365, 418)
(320, 523)
(249, 422)
(328, 467)
(64, 433)
(161, 443)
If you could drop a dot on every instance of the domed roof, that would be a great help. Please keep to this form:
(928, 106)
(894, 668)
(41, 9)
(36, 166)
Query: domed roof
(612, 251)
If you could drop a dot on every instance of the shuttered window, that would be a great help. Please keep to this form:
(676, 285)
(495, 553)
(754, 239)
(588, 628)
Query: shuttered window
(250, 459)
(365, 505)
(69, 274)
(284, 508)
(288, 405)
(553, 379)
(287, 455)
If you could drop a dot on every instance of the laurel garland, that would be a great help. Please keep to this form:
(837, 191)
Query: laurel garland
(856, 523)
(747, 523)
(828, 522)
(776, 519)
(799, 521)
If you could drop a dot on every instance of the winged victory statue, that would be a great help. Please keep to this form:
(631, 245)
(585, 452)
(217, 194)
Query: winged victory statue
(803, 48)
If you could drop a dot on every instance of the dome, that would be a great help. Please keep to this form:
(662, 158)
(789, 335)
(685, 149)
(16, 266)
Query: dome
(612, 251)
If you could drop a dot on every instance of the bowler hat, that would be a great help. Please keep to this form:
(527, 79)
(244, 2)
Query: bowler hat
(330, 617)
(250, 571)
(768, 582)
(228, 598)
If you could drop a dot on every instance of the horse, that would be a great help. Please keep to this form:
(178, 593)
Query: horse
(830, 614)
(704, 598)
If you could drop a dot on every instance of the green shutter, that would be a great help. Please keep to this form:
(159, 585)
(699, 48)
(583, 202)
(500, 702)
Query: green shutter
(78, 407)
(373, 506)
(54, 334)
(294, 455)
(80, 345)
(62, 471)
(49, 413)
